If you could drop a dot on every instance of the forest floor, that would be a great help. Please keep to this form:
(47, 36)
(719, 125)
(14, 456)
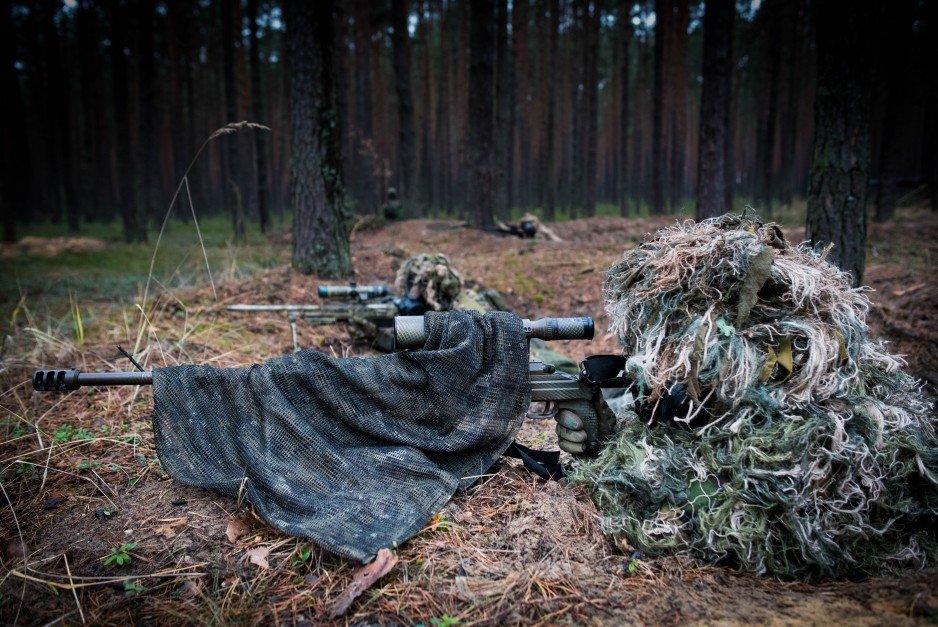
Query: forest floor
(81, 481)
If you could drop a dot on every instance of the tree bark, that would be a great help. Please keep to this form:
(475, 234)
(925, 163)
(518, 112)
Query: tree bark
(16, 176)
(320, 229)
(504, 113)
(400, 47)
(930, 136)
(578, 34)
(895, 52)
(523, 72)
(715, 108)
(257, 103)
(625, 184)
(593, 13)
(769, 59)
(790, 76)
(840, 166)
(443, 184)
(133, 220)
(60, 136)
(677, 76)
(550, 198)
(146, 180)
(425, 177)
(663, 10)
(481, 131)
(237, 158)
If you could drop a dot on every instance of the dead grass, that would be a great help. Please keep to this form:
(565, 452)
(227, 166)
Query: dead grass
(80, 476)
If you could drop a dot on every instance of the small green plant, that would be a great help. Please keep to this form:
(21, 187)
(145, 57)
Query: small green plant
(120, 555)
(68, 433)
(302, 556)
(133, 586)
(444, 621)
(89, 464)
(25, 469)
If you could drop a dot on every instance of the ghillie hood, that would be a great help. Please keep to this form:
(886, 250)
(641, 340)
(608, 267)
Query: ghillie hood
(431, 279)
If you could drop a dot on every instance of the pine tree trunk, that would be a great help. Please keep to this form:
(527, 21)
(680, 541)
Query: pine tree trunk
(663, 9)
(522, 64)
(145, 163)
(426, 147)
(481, 131)
(897, 33)
(930, 136)
(840, 167)
(714, 108)
(237, 159)
(625, 186)
(443, 183)
(677, 73)
(550, 199)
(60, 136)
(320, 230)
(592, 108)
(363, 145)
(258, 113)
(577, 34)
(400, 47)
(134, 223)
(768, 103)
(792, 33)
(16, 177)
(504, 109)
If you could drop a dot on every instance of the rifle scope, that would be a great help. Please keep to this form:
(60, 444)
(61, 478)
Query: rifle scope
(353, 291)
(410, 331)
(64, 380)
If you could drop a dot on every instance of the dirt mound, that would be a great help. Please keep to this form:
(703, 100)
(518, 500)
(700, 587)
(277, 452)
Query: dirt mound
(611, 230)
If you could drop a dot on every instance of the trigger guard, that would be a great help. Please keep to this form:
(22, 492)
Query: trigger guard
(550, 411)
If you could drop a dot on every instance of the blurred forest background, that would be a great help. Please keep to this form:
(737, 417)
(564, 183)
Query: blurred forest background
(576, 106)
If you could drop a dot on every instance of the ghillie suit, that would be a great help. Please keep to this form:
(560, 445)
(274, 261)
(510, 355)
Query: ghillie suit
(527, 227)
(803, 450)
(431, 278)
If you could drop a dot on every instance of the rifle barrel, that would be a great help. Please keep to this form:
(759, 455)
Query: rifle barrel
(69, 379)
(294, 308)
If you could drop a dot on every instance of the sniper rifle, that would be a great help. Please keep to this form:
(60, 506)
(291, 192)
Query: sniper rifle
(362, 302)
(575, 402)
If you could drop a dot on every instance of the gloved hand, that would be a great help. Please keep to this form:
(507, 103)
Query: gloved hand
(582, 427)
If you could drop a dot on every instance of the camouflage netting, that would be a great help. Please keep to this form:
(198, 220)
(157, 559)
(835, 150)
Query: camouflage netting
(358, 453)
(805, 452)
(430, 278)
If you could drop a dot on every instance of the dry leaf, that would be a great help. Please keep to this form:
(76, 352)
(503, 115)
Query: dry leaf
(14, 550)
(363, 579)
(236, 529)
(171, 529)
(192, 588)
(258, 556)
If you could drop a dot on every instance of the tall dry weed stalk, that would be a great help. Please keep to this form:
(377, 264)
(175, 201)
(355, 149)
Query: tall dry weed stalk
(228, 129)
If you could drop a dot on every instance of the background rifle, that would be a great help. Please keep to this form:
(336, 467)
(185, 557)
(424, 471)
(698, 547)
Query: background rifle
(363, 302)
